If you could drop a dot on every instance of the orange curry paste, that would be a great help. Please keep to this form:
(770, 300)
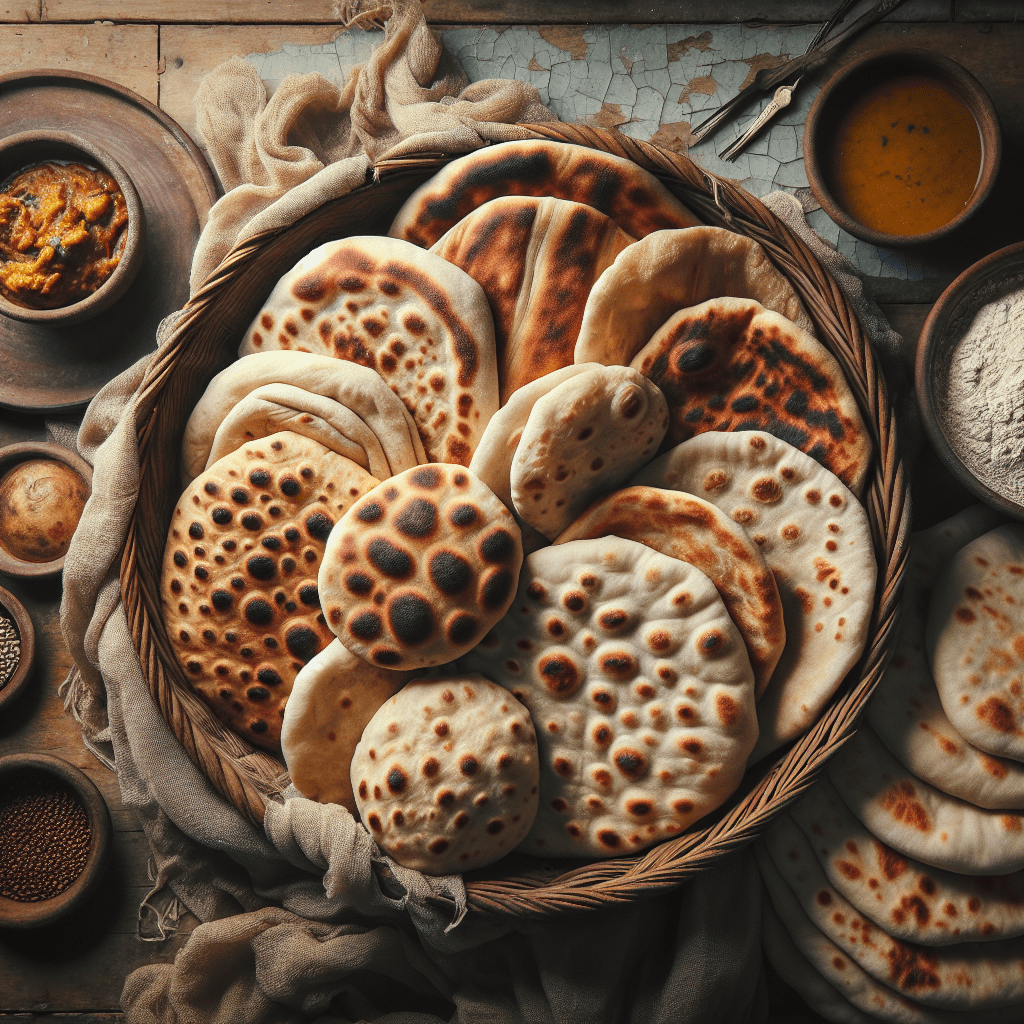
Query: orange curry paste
(906, 156)
(62, 233)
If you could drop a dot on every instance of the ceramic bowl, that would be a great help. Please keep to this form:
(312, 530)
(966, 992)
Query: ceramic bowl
(16, 770)
(24, 150)
(848, 84)
(13, 610)
(10, 456)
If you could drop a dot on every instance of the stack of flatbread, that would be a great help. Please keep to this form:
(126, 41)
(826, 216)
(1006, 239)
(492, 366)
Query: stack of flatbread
(551, 434)
(896, 885)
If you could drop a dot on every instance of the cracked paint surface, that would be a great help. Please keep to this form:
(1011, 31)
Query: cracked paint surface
(651, 82)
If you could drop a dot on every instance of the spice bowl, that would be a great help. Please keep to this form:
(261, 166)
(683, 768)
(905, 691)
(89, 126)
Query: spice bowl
(901, 146)
(43, 487)
(19, 153)
(14, 613)
(55, 831)
(966, 379)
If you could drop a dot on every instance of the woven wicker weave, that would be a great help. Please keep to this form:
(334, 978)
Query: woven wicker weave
(206, 340)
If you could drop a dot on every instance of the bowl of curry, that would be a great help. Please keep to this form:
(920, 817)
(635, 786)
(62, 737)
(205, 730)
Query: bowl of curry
(902, 146)
(71, 228)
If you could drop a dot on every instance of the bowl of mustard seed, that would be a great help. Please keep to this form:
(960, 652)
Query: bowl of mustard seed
(55, 835)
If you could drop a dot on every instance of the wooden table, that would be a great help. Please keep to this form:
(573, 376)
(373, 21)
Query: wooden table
(76, 969)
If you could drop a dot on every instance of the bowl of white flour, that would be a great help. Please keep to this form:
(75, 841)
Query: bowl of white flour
(970, 379)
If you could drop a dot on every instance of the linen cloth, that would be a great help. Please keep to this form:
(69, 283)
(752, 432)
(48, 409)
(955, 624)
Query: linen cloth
(306, 920)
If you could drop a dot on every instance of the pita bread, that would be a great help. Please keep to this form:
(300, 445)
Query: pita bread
(421, 568)
(905, 711)
(975, 641)
(731, 364)
(332, 699)
(446, 774)
(815, 537)
(919, 821)
(355, 387)
(836, 987)
(640, 688)
(961, 976)
(416, 319)
(619, 188)
(536, 260)
(584, 438)
(686, 527)
(239, 582)
(492, 460)
(904, 897)
(672, 270)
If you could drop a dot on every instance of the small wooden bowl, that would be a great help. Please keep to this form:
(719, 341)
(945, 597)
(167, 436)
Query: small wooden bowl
(10, 456)
(24, 150)
(849, 83)
(11, 608)
(18, 767)
(996, 274)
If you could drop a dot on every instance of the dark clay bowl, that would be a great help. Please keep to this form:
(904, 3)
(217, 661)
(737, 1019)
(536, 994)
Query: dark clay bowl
(848, 84)
(987, 280)
(19, 767)
(26, 149)
(11, 608)
(10, 456)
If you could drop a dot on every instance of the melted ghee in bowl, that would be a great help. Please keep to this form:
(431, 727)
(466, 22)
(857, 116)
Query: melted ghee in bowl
(906, 156)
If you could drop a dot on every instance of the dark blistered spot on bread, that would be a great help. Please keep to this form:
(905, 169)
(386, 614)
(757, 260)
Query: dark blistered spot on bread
(396, 780)
(767, 490)
(431, 767)
(258, 726)
(682, 806)
(180, 559)
(639, 808)
(417, 519)
(373, 820)
(221, 600)
(252, 521)
(469, 765)
(411, 618)
(631, 763)
(461, 629)
(259, 612)
(497, 546)
(728, 710)
(449, 572)
(463, 515)
(240, 496)
(261, 567)
(269, 677)
(606, 837)
(358, 583)
(302, 642)
(561, 675)
(494, 826)
(426, 477)
(309, 595)
(574, 601)
(496, 588)
(290, 486)
(259, 477)
(619, 665)
(195, 531)
(613, 619)
(369, 512)
(319, 525)
(365, 625)
(389, 559)
(221, 515)
(712, 642)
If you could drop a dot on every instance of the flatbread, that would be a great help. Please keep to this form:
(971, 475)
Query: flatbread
(905, 711)
(922, 822)
(583, 439)
(975, 641)
(492, 460)
(356, 387)
(816, 539)
(416, 319)
(332, 699)
(693, 530)
(836, 987)
(275, 407)
(619, 188)
(961, 976)
(910, 900)
(536, 260)
(420, 568)
(446, 774)
(731, 364)
(239, 581)
(639, 686)
(672, 270)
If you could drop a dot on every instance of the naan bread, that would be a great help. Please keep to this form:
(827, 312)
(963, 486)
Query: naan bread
(583, 439)
(239, 582)
(416, 319)
(961, 976)
(536, 260)
(332, 699)
(673, 270)
(639, 686)
(816, 539)
(905, 710)
(617, 187)
(908, 899)
(920, 821)
(975, 641)
(731, 364)
(355, 387)
(686, 527)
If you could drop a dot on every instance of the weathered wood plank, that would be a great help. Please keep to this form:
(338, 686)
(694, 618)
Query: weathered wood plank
(61, 1018)
(126, 54)
(26, 11)
(478, 12)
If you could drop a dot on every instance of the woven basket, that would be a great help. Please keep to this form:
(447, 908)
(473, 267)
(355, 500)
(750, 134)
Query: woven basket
(206, 340)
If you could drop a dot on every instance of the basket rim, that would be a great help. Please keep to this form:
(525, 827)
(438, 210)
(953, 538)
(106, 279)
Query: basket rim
(886, 499)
